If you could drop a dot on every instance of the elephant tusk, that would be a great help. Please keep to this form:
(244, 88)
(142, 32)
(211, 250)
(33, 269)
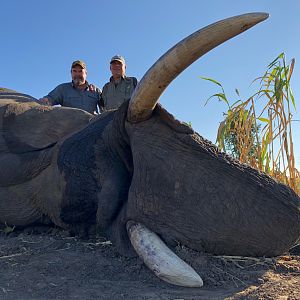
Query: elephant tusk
(160, 259)
(178, 58)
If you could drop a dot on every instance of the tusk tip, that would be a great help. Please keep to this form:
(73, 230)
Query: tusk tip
(263, 15)
(182, 280)
(258, 17)
(160, 259)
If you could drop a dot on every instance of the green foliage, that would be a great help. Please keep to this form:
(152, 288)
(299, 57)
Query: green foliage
(264, 139)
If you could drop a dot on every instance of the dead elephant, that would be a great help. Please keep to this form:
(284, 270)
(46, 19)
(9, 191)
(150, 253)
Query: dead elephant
(140, 174)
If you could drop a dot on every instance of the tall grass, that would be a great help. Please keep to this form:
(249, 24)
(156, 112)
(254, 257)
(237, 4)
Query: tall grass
(260, 128)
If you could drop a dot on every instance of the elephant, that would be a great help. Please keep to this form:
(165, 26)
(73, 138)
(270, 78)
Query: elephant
(145, 179)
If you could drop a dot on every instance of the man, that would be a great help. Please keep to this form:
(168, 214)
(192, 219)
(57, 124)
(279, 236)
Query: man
(120, 87)
(78, 93)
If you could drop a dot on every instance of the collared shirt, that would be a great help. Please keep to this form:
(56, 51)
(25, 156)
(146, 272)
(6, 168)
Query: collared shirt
(114, 94)
(66, 94)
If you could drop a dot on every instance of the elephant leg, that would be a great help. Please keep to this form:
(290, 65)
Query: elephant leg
(17, 209)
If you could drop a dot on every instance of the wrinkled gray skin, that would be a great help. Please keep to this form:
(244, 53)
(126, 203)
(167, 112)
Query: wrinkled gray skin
(139, 165)
(78, 170)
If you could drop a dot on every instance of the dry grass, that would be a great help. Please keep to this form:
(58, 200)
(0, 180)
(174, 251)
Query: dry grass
(263, 138)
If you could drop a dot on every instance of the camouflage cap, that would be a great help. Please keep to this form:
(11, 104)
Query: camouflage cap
(78, 63)
(118, 58)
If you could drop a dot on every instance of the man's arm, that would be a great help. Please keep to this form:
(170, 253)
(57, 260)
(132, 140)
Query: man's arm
(55, 97)
(101, 104)
(135, 82)
(96, 90)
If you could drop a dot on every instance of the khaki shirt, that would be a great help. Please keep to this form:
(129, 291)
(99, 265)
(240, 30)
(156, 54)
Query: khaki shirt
(113, 95)
(67, 95)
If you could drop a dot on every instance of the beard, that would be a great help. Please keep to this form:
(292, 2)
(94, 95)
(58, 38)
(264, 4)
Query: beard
(78, 81)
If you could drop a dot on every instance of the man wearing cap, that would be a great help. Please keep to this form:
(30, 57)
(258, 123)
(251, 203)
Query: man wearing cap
(120, 87)
(78, 93)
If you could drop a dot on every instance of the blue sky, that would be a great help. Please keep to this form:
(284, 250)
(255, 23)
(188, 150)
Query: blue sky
(40, 39)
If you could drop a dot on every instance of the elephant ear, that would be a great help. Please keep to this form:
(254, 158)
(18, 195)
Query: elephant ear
(30, 126)
(28, 133)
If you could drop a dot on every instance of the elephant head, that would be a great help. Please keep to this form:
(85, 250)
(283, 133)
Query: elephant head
(142, 176)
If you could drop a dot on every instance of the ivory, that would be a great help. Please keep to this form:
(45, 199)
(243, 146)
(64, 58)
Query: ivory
(160, 259)
(182, 55)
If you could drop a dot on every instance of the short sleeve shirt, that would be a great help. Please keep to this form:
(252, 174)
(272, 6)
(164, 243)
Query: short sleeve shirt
(67, 95)
(114, 95)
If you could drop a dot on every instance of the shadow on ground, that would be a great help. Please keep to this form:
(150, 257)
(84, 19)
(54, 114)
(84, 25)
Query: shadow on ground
(47, 263)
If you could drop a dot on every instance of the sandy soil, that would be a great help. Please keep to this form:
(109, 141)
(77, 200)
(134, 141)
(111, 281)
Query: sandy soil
(47, 263)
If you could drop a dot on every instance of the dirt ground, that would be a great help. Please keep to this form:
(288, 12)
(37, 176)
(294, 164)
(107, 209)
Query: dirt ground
(47, 263)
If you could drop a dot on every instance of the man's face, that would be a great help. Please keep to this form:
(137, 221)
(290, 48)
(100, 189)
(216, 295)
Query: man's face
(78, 75)
(117, 69)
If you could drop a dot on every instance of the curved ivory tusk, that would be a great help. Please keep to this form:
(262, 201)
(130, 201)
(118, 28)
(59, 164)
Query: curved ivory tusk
(178, 58)
(160, 259)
